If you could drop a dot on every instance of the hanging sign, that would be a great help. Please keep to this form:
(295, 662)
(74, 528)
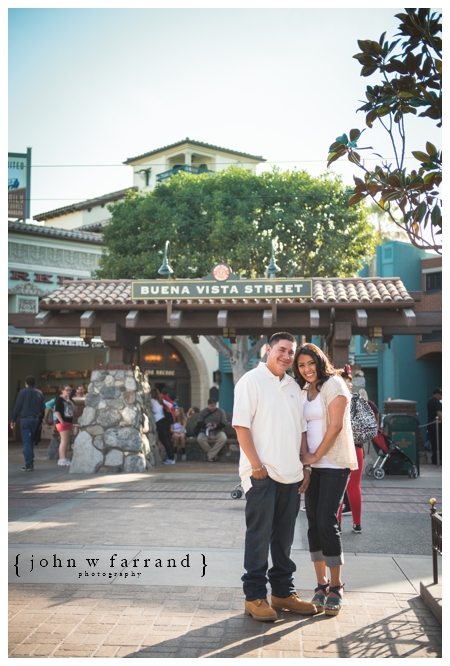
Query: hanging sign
(221, 284)
(19, 169)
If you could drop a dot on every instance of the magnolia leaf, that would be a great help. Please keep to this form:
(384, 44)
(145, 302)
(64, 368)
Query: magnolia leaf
(422, 157)
(332, 157)
(436, 216)
(354, 157)
(383, 111)
(356, 198)
(421, 212)
(431, 149)
(365, 45)
(343, 139)
(367, 70)
(354, 134)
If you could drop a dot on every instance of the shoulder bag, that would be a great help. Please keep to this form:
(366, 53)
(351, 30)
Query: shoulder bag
(364, 423)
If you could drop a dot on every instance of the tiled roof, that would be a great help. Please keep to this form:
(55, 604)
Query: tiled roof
(84, 205)
(94, 226)
(130, 160)
(52, 232)
(352, 292)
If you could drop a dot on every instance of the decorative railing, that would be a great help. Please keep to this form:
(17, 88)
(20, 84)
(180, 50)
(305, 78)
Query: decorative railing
(436, 537)
(160, 177)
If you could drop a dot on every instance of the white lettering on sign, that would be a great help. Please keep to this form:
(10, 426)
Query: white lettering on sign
(145, 290)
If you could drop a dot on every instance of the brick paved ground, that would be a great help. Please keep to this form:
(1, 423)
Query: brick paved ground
(190, 510)
(126, 621)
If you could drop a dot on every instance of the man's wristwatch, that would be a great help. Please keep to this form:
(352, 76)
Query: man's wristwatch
(308, 468)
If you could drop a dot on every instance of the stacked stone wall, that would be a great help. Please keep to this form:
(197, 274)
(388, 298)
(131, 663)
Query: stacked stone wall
(117, 428)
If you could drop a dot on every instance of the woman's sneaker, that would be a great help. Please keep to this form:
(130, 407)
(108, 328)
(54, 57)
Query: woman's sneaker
(183, 457)
(357, 529)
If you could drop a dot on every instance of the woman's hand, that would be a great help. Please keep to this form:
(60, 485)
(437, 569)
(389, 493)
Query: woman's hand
(308, 458)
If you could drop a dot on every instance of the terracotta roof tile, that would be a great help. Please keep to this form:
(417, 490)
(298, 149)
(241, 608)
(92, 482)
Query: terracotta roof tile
(345, 291)
(201, 144)
(84, 236)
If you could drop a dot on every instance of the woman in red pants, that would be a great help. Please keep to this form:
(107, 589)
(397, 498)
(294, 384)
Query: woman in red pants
(354, 482)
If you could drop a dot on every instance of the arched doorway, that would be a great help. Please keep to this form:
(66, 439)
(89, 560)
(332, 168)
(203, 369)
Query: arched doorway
(166, 367)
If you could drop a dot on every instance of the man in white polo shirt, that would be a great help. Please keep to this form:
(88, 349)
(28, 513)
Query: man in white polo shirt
(268, 419)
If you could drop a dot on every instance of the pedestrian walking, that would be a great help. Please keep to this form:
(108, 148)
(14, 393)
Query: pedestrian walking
(30, 407)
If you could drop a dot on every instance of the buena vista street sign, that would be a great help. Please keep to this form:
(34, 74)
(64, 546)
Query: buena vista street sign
(221, 284)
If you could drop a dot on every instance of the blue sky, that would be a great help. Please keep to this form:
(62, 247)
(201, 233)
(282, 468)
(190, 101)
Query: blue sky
(96, 86)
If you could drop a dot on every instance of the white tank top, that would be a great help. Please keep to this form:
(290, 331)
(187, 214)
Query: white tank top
(313, 413)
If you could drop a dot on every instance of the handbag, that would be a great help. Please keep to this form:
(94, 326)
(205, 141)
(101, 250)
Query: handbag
(364, 423)
(49, 417)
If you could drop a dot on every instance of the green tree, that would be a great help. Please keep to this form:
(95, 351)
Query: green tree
(411, 80)
(233, 216)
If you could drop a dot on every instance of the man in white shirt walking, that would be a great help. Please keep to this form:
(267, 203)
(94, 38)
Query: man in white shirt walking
(268, 419)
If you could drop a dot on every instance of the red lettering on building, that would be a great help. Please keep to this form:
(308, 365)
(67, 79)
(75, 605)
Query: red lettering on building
(20, 275)
(63, 277)
(43, 277)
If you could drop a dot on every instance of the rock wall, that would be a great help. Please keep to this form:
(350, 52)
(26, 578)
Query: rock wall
(117, 429)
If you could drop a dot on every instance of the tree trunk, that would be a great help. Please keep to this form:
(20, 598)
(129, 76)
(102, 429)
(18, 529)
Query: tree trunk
(239, 354)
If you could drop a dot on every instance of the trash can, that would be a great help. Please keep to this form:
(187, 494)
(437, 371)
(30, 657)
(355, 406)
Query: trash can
(403, 429)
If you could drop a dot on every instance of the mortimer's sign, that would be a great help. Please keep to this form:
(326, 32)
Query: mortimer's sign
(220, 284)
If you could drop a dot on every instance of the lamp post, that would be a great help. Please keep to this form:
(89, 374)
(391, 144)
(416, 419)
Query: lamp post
(272, 269)
(165, 270)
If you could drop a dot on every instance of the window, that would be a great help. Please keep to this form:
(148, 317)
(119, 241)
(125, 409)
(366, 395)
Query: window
(433, 282)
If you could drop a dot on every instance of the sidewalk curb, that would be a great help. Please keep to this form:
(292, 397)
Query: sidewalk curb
(432, 596)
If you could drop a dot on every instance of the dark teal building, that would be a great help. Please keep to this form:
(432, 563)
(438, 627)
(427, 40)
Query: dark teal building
(394, 371)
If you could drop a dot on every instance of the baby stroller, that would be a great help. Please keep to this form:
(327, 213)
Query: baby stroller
(390, 458)
(237, 492)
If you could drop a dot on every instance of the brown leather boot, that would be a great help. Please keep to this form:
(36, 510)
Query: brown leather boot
(294, 604)
(260, 610)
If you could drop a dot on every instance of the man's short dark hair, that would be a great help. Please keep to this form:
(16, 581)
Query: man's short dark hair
(165, 391)
(437, 390)
(276, 337)
(30, 380)
(212, 401)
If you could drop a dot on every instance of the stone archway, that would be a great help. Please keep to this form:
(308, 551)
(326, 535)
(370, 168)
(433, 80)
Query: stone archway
(196, 366)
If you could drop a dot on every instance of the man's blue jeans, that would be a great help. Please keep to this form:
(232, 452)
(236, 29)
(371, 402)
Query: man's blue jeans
(270, 514)
(28, 427)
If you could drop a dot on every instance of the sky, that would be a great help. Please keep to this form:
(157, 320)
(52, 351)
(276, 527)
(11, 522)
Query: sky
(89, 88)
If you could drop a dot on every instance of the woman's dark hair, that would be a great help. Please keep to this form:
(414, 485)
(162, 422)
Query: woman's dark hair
(324, 367)
(345, 373)
(155, 394)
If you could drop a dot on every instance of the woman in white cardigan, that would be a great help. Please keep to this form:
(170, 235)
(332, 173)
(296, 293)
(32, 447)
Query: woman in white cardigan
(329, 452)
